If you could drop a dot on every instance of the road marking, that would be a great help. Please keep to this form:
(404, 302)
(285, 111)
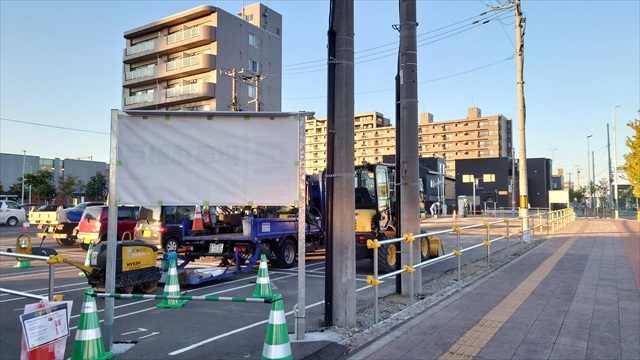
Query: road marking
(152, 334)
(134, 331)
(472, 342)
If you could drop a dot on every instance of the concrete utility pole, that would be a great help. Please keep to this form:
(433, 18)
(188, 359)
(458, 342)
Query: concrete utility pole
(234, 106)
(407, 141)
(255, 81)
(610, 194)
(615, 164)
(578, 175)
(340, 284)
(522, 151)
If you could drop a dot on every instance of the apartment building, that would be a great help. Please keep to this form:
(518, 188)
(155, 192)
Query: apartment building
(205, 59)
(470, 138)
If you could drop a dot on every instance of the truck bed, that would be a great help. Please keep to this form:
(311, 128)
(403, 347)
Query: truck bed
(267, 228)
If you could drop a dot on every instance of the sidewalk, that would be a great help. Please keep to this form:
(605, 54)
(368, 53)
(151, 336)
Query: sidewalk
(576, 296)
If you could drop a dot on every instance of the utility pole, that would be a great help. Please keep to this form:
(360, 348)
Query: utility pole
(570, 183)
(615, 164)
(234, 106)
(406, 178)
(578, 174)
(593, 174)
(255, 81)
(553, 158)
(340, 283)
(609, 195)
(522, 164)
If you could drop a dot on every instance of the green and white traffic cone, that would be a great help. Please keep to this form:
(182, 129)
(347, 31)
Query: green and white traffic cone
(88, 343)
(263, 284)
(87, 261)
(276, 341)
(172, 285)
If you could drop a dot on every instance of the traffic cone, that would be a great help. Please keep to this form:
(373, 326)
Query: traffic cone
(172, 285)
(197, 220)
(276, 341)
(263, 284)
(25, 226)
(88, 343)
(455, 216)
(87, 260)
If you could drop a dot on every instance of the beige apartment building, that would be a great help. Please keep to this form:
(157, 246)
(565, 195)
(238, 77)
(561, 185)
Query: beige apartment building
(470, 138)
(205, 59)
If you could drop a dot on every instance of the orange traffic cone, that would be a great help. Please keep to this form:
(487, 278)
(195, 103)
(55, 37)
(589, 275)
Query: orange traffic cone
(25, 226)
(454, 215)
(197, 220)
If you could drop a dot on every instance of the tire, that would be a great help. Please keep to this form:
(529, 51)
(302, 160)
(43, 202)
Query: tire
(12, 221)
(171, 244)
(286, 254)
(387, 256)
(125, 289)
(425, 249)
(147, 287)
(66, 241)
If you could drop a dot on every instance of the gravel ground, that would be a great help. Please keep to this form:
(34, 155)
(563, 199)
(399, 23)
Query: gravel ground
(395, 309)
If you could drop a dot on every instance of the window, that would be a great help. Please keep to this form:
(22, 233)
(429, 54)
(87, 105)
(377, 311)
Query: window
(467, 178)
(254, 66)
(489, 177)
(251, 91)
(248, 18)
(255, 41)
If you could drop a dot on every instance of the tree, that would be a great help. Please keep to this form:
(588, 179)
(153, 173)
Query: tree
(41, 184)
(577, 194)
(96, 187)
(67, 185)
(632, 159)
(15, 189)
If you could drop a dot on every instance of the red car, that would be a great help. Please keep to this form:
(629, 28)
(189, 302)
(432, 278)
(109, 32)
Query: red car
(94, 222)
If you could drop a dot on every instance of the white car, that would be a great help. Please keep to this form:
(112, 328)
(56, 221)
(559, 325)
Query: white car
(11, 213)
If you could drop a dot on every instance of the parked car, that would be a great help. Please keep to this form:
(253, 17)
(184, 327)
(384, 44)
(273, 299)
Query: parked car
(11, 213)
(28, 206)
(162, 226)
(94, 222)
(50, 207)
(74, 214)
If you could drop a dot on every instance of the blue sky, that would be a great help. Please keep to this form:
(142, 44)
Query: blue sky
(61, 66)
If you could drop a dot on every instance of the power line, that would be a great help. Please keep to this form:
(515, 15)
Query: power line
(54, 126)
(420, 83)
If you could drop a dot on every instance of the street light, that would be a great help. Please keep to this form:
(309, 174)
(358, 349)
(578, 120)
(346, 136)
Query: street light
(30, 172)
(589, 174)
(615, 165)
(24, 157)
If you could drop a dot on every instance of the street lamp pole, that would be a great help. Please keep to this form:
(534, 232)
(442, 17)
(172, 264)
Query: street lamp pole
(30, 172)
(615, 165)
(589, 173)
(24, 157)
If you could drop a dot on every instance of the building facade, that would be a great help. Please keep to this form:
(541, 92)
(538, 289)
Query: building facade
(471, 138)
(12, 165)
(205, 59)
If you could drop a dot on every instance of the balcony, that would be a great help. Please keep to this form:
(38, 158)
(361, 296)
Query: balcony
(187, 66)
(171, 97)
(172, 43)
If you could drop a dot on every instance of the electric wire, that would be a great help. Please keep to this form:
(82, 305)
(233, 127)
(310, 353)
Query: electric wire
(55, 126)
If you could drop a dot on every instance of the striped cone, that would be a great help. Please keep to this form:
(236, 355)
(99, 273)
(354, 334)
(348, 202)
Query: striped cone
(88, 343)
(263, 284)
(172, 285)
(276, 341)
(87, 261)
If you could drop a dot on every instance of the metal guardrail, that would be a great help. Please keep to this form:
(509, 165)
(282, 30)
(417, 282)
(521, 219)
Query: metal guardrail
(29, 295)
(556, 220)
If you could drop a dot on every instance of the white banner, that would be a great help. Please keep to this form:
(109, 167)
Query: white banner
(207, 159)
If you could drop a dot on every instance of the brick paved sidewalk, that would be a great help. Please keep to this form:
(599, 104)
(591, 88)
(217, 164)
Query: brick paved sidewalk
(576, 296)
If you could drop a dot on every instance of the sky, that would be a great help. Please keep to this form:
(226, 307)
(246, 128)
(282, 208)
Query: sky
(61, 69)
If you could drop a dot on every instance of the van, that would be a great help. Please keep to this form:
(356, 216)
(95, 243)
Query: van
(95, 219)
(163, 226)
(11, 213)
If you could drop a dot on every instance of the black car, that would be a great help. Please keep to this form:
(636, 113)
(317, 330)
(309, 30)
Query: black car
(162, 226)
(50, 207)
